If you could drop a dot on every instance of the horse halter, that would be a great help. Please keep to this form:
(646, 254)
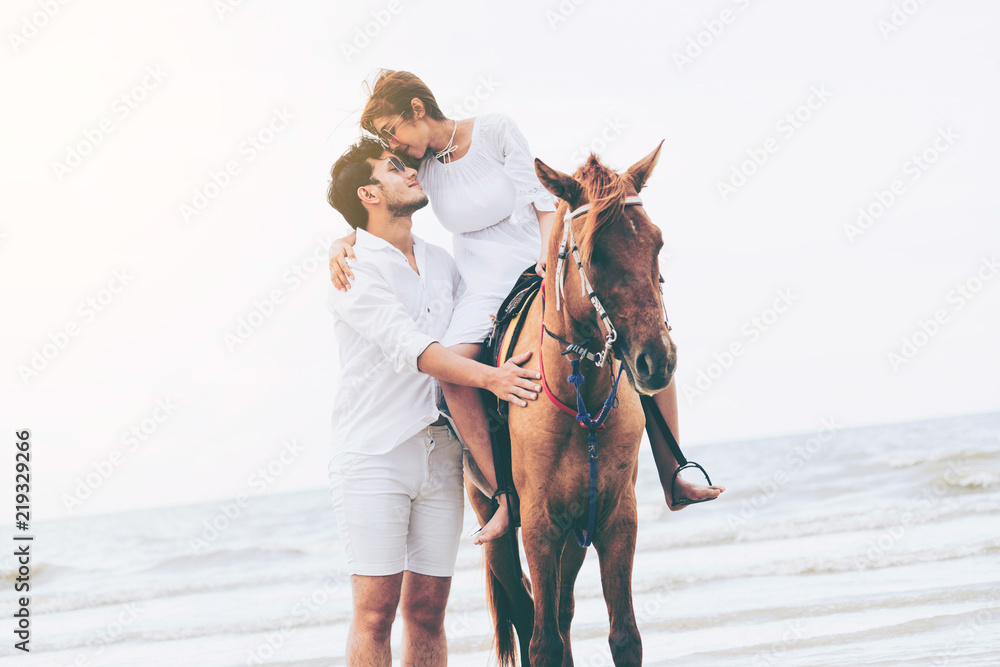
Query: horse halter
(587, 289)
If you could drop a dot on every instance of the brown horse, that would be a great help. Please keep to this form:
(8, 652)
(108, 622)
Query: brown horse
(618, 249)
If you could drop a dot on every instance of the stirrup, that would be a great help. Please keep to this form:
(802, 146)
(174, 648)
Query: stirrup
(683, 502)
(495, 498)
(513, 505)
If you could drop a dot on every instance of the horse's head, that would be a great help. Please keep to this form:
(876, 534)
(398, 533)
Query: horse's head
(619, 248)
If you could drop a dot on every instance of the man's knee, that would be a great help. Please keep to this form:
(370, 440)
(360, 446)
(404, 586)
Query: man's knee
(375, 620)
(424, 614)
(375, 602)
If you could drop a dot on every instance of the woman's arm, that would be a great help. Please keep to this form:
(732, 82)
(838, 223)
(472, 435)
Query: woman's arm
(545, 220)
(340, 251)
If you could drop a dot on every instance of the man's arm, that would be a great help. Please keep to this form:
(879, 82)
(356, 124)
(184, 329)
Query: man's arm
(510, 382)
(376, 313)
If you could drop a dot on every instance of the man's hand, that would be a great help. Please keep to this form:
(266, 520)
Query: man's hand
(340, 252)
(514, 384)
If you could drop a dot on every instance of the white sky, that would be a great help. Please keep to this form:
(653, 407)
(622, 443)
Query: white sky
(608, 65)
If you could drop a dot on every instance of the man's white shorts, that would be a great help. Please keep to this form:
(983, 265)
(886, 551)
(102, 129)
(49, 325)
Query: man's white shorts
(401, 510)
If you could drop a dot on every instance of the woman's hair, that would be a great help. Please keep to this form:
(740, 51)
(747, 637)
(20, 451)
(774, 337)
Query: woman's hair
(391, 95)
(350, 172)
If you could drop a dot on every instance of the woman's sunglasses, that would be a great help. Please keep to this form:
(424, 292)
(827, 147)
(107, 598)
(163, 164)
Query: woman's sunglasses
(385, 135)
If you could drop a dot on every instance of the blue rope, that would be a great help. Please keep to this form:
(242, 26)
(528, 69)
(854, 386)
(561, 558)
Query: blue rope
(586, 537)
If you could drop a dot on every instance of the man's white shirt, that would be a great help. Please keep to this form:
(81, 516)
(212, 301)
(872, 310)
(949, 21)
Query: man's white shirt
(383, 323)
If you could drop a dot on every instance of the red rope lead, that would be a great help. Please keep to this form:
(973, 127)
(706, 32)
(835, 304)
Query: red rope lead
(541, 364)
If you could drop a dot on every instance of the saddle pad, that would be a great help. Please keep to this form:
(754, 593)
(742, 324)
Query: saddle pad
(507, 325)
(507, 340)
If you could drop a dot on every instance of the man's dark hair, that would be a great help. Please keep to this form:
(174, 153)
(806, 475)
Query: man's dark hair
(350, 172)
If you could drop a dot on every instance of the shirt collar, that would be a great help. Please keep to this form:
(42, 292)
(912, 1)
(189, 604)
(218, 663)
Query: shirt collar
(366, 239)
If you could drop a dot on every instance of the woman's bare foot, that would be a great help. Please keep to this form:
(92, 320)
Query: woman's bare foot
(496, 526)
(686, 489)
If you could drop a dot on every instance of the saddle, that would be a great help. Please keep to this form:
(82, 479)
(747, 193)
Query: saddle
(499, 344)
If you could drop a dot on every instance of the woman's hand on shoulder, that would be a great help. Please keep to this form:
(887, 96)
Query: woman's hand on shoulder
(340, 273)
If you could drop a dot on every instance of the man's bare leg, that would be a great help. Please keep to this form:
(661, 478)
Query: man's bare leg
(466, 407)
(423, 604)
(666, 463)
(375, 602)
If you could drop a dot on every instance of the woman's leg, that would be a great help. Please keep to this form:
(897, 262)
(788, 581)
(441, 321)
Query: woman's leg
(466, 407)
(666, 463)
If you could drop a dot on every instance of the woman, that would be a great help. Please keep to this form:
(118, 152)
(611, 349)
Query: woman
(480, 177)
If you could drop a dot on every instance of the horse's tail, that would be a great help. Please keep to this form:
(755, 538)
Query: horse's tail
(503, 620)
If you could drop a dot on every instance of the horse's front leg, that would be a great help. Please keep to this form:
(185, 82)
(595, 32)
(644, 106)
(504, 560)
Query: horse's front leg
(543, 542)
(571, 561)
(615, 544)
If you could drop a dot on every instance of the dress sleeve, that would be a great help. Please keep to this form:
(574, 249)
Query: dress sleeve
(519, 165)
(372, 309)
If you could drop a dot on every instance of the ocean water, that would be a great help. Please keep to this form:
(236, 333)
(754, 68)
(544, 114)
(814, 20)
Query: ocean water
(868, 546)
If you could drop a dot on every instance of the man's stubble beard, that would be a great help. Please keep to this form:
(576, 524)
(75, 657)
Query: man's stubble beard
(406, 209)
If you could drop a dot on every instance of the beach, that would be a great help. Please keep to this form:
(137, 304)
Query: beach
(875, 545)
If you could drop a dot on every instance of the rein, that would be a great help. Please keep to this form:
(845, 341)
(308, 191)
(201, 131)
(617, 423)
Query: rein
(584, 537)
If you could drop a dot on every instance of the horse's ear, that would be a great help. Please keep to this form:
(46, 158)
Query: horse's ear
(559, 184)
(640, 172)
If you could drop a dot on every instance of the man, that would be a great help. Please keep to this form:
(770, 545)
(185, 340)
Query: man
(396, 478)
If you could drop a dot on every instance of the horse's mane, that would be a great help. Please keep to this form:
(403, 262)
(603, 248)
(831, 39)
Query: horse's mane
(606, 191)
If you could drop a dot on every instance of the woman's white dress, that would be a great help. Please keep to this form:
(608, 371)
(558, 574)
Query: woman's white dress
(485, 199)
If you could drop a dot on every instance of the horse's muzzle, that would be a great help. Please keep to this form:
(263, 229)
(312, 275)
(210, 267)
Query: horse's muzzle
(653, 368)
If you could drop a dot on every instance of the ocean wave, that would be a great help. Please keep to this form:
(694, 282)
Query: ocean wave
(228, 556)
(761, 526)
(850, 603)
(824, 565)
(11, 572)
(943, 455)
(820, 524)
(257, 626)
(152, 588)
(974, 480)
(837, 641)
